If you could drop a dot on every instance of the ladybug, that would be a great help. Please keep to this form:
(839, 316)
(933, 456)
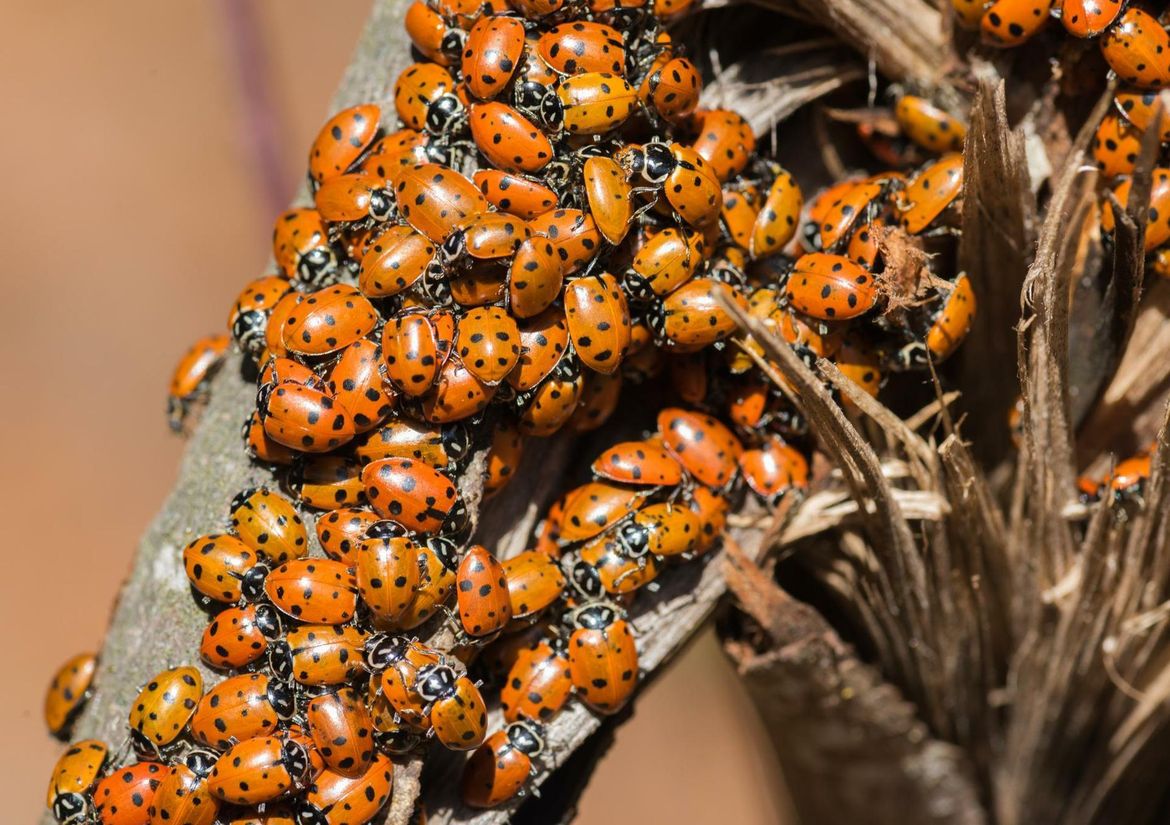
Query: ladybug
(320, 591)
(1137, 48)
(342, 730)
(248, 319)
(599, 400)
(508, 139)
(831, 287)
(189, 381)
(499, 769)
(486, 237)
(515, 194)
(387, 575)
(687, 182)
(415, 347)
(534, 278)
(274, 330)
(673, 89)
(608, 194)
(269, 524)
(822, 339)
(1130, 477)
(183, 797)
(544, 410)
(929, 126)
(712, 508)
(1116, 145)
(342, 141)
(436, 200)
(835, 213)
(341, 531)
(864, 245)
(639, 462)
(778, 217)
(953, 321)
(507, 448)
(457, 712)
(68, 693)
(1139, 107)
(583, 46)
(691, 317)
(483, 283)
(1012, 22)
(300, 244)
(424, 96)
(932, 191)
(456, 395)
(355, 382)
(353, 198)
(124, 797)
(534, 583)
(303, 418)
(593, 103)
(603, 658)
(725, 140)
(318, 654)
(74, 773)
(238, 636)
(968, 13)
(603, 566)
(259, 446)
(437, 561)
(538, 684)
(239, 708)
(773, 469)
(482, 594)
(399, 660)
(491, 54)
(574, 235)
(860, 364)
(160, 713)
(394, 262)
(279, 369)
(663, 530)
(327, 482)
(599, 321)
(667, 260)
(594, 507)
(216, 565)
(1158, 216)
(415, 495)
(333, 798)
(544, 339)
(741, 208)
(706, 448)
(431, 35)
(328, 320)
(260, 770)
(441, 447)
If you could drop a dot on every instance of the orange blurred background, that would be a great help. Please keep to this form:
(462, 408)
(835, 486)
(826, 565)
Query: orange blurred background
(135, 206)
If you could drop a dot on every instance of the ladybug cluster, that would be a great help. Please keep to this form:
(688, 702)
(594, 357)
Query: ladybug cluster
(543, 219)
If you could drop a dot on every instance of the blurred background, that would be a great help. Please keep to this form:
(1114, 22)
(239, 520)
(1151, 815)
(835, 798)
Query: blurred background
(138, 200)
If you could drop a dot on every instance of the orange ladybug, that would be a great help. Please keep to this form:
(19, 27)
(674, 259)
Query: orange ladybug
(124, 797)
(482, 593)
(68, 692)
(499, 769)
(189, 381)
(603, 658)
(340, 726)
(706, 448)
(342, 141)
(333, 798)
(269, 524)
(260, 770)
(320, 591)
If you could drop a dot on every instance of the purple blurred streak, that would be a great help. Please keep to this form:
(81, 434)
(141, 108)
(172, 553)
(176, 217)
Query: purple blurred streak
(262, 120)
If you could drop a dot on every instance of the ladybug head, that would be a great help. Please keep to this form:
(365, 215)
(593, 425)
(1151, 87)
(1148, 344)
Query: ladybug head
(526, 736)
(552, 111)
(586, 580)
(451, 46)
(444, 114)
(399, 741)
(386, 529)
(317, 266)
(435, 682)
(200, 762)
(454, 246)
(248, 329)
(280, 659)
(267, 619)
(295, 760)
(242, 497)
(635, 538)
(594, 616)
(310, 814)
(658, 162)
(445, 550)
(381, 205)
(456, 441)
(383, 650)
(282, 697)
(457, 525)
(71, 809)
(252, 583)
